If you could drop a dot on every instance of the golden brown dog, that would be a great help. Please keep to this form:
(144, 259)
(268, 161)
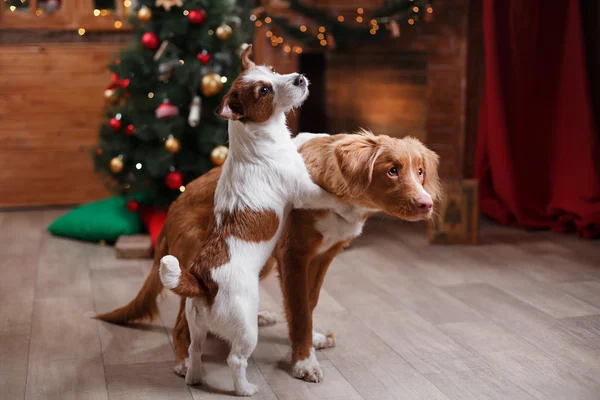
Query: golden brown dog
(373, 173)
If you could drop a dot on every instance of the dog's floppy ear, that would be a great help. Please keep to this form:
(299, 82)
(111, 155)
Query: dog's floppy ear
(355, 157)
(247, 63)
(231, 107)
(431, 182)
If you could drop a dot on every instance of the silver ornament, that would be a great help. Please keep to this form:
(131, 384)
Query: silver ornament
(194, 117)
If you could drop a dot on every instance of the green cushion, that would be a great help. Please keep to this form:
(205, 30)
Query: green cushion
(102, 220)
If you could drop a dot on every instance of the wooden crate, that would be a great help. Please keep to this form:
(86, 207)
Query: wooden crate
(457, 221)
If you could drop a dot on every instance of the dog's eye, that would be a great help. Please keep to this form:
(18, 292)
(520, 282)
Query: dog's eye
(264, 90)
(393, 172)
(272, 69)
(420, 171)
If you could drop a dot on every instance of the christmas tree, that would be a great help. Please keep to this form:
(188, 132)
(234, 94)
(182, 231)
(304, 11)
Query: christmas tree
(161, 131)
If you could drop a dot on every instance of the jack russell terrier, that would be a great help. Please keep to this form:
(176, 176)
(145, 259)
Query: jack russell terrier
(263, 178)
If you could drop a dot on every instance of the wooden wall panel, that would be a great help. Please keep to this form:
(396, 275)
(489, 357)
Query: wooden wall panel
(51, 106)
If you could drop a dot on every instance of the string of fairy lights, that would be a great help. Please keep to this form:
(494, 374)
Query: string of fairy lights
(49, 7)
(325, 38)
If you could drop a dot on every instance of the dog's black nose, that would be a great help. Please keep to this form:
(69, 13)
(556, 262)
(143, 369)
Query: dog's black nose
(300, 80)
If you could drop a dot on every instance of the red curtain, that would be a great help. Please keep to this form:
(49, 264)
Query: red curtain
(538, 153)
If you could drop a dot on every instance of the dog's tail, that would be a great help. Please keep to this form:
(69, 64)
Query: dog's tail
(182, 282)
(144, 306)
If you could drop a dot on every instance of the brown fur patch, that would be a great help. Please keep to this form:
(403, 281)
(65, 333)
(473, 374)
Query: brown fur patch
(250, 226)
(196, 240)
(244, 102)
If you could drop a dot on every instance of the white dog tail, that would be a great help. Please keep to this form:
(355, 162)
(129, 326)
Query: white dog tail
(182, 282)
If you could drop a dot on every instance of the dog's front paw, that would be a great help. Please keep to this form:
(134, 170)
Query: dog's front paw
(266, 318)
(181, 368)
(321, 341)
(308, 369)
(247, 389)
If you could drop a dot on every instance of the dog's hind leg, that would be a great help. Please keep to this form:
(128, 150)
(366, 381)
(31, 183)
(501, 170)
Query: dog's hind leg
(241, 350)
(198, 332)
(181, 340)
(243, 342)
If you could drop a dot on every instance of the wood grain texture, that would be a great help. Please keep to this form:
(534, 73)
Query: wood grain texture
(51, 107)
(411, 320)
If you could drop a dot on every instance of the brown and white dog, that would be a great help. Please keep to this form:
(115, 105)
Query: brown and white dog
(373, 173)
(263, 178)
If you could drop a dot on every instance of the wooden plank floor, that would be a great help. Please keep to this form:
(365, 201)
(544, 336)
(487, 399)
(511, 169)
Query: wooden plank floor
(517, 317)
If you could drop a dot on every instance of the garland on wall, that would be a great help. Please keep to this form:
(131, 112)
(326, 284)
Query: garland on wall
(310, 26)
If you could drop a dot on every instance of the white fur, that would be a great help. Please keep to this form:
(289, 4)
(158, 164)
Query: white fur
(321, 341)
(417, 181)
(267, 318)
(304, 137)
(336, 229)
(263, 171)
(308, 369)
(170, 272)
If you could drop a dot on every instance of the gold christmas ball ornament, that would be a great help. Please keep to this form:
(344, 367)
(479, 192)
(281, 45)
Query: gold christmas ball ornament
(219, 155)
(224, 32)
(172, 145)
(211, 84)
(144, 14)
(111, 96)
(116, 165)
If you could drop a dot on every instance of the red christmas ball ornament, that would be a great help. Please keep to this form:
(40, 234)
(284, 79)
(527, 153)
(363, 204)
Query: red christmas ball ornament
(130, 130)
(197, 17)
(204, 57)
(99, 151)
(174, 180)
(115, 124)
(133, 206)
(150, 40)
(166, 110)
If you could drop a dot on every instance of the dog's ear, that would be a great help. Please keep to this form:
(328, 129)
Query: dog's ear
(231, 107)
(431, 181)
(355, 157)
(247, 63)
